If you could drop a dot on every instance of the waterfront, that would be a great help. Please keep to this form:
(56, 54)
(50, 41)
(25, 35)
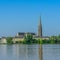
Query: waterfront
(29, 52)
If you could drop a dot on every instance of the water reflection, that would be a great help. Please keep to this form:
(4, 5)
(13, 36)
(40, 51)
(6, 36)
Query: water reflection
(19, 52)
(51, 52)
(22, 52)
(29, 52)
(40, 52)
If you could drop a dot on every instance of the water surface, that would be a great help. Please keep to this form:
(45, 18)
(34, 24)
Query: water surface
(29, 52)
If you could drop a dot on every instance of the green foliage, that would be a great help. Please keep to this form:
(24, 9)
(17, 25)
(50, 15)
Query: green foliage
(20, 42)
(45, 41)
(28, 39)
(53, 39)
(38, 41)
(34, 41)
(58, 39)
(9, 40)
(41, 41)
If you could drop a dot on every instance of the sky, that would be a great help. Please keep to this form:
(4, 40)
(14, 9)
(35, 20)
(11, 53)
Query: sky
(24, 15)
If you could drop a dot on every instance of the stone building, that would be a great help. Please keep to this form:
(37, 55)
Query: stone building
(40, 28)
(40, 32)
(20, 35)
(3, 40)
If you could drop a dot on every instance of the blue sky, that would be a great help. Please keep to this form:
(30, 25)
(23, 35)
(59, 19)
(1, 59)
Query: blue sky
(23, 16)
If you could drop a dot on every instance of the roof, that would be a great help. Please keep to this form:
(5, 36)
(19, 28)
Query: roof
(19, 37)
(31, 33)
(41, 37)
(23, 33)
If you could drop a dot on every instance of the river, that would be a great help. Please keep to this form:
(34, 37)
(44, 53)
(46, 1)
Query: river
(30, 52)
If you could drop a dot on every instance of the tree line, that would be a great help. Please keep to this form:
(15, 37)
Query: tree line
(30, 40)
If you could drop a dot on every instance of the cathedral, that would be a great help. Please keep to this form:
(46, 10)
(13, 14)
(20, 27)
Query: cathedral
(40, 28)
(38, 35)
(20, 36)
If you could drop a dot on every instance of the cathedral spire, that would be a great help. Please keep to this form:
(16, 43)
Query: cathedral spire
(40, 28)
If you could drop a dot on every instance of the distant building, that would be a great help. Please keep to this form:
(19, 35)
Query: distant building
(3, 40)
(40, 28)
(40, 32)
(23, 34)
(20, 35)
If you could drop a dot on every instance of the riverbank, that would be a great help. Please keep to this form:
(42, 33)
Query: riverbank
(30, 40)
(35, 42)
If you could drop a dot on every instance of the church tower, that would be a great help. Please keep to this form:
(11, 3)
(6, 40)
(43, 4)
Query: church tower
(40, 28)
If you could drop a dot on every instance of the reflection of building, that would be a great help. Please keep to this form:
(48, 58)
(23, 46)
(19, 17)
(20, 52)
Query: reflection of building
(20, 36)
(20, 51)
(40, 52)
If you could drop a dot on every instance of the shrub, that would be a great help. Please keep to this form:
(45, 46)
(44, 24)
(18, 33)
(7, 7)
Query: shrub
(9, 40)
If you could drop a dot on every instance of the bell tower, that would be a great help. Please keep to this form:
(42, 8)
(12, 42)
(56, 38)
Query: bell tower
(40, 28)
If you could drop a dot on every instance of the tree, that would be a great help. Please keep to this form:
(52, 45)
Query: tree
(53, 39)
(58, 39)
(28, 38)
(9, 40)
